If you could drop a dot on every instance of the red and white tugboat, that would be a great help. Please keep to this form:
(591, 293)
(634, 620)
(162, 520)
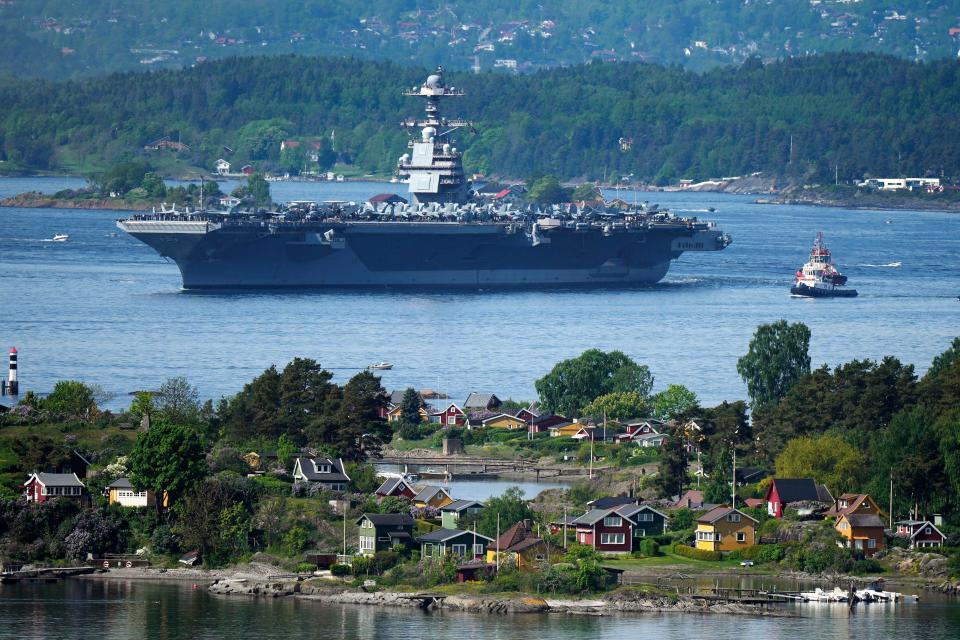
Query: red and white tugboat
(819, 278)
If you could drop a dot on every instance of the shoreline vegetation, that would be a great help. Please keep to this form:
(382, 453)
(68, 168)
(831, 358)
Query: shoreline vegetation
(281, 478)
(772, 190)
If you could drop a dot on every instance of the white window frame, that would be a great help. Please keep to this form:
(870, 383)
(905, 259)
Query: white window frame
(645, 516)
(478, 549)
(871, 543)
(367, 543)
(458, 549)
(451, 419)
(613, 521)
(741, 536)
(733, 517)
(612, 538)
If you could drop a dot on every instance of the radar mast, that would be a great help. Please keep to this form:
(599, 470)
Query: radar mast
(434, 168)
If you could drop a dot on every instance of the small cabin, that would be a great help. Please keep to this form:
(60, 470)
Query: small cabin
(41, 487)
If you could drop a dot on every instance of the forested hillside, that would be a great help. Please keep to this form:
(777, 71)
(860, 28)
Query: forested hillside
(854, 113)
(61, 38)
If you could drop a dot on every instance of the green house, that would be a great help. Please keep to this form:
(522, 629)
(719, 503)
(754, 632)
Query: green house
(451, 513)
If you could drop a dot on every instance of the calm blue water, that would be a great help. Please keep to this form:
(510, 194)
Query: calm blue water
(122, 609)
(108, 310)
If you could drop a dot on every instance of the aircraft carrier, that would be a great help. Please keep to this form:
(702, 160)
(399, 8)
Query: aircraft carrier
(446, 236)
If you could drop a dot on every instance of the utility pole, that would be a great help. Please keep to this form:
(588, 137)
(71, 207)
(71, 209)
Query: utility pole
(564, 526)
(733, 493)
(498, 542)
(345, 534)
(890, 513)
(591, 455)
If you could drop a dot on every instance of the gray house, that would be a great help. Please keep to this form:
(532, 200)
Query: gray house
(327, 472)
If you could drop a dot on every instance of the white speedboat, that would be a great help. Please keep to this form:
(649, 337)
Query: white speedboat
(380, 366)
(60, 237)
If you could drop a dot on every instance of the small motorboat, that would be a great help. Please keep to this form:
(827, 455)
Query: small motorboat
(60, 237)
(380, 366)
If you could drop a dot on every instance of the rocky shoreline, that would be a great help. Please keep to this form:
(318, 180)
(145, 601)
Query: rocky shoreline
(36, 200)
(621, 601)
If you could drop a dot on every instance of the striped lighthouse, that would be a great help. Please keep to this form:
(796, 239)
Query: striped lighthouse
(12, 385)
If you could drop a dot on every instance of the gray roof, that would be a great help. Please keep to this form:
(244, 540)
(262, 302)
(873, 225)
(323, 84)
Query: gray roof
(120, 483)
(390, 484)
(462, 505)
(606, 502)
(442, 535)
(593, 516)
(800, 489)
(428, 492)
(336, 474)
(864, 520)
(479, 400)
(388, 519)
(58, 479)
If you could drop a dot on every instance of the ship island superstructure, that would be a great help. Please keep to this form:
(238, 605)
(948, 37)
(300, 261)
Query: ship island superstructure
(444, 237)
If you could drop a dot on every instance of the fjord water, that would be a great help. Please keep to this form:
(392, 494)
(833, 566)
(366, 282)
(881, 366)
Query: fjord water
(108, 310)
(121, 609)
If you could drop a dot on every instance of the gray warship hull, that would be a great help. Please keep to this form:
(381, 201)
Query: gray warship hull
(213, 255)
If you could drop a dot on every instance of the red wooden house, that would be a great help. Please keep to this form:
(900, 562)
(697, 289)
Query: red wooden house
(452, 416)
(606, 530)
(920, 533)
(782, 492)
(396, 487)
(41, 487)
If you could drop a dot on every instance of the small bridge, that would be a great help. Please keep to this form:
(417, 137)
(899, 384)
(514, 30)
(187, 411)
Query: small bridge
(466, 467)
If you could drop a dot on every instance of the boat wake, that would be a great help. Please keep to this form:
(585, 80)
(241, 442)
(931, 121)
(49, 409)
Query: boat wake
(889, 265)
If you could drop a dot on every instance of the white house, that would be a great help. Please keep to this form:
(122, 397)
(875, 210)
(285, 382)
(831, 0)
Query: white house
(223, 167)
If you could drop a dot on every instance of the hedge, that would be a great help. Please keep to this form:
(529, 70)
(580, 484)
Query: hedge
(693, 553)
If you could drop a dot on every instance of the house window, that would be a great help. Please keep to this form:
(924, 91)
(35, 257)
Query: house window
(645, 517)
(640, 533)
(366, 543)
(871, 543)
(843, 526)
(459, 549)
(611, 538)
(366, 524)
(540, 557)
(583, 538)
(733, 517)
(323, 468)
(383, 538)
(927, 531)
(451, 419)
(741, 537)
(478, 549)
(613, 521)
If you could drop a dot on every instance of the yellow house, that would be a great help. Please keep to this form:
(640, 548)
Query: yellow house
(725, 529)
(505, 421)
(395, 414)
(518, 546)
(121, 492)
(566, 430)
(429, 496)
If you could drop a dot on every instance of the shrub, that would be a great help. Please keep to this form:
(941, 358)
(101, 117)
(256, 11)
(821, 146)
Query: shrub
(295, 540)
(762, 553)
(866, 566)
(306, 567)
(694, 553)
(649, 548)
(340, 570)
(681, 519)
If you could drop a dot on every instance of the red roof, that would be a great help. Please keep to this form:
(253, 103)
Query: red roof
(13, 349)
(502, 194)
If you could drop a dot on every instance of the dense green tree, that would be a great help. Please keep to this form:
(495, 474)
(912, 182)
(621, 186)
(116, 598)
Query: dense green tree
(619, 405)
(777, 358)
(673, 402)
(259, 190)
(38, 453)
(909, 451)
(547, 190)
(585, 191)
(830, 459)
(572, 384)
(856, 399)
(511, 509)
(168, 458)
(672, 470)
(410, 406)
(361, 430)
(71, 398)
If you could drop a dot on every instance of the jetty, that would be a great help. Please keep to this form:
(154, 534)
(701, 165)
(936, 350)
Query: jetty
(44, 574)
